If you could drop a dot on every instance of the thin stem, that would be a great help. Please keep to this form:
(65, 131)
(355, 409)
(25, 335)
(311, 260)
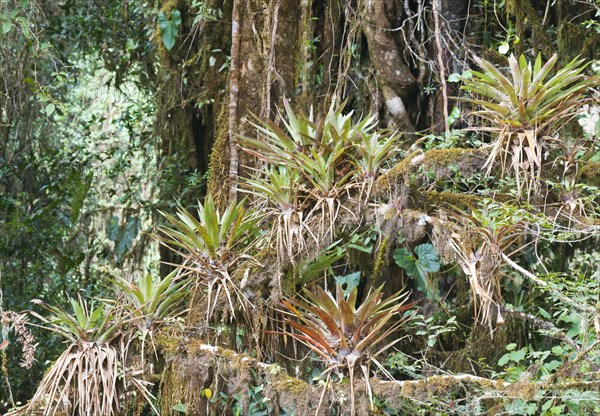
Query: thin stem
(234, 75)
(440, 59)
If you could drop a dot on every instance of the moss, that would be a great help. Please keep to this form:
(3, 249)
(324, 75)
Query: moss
(380, 260)
(190, 91)
(173, 391)
(450, 200)
(399, 172)
(527, 18)
(590, 174)
(181, 381)
(444, 157)
(191, 368)
(575, 41)
(283, 383)
(168, 344)
(218, 181)
(441, 385)
(440, 161)
(522, 390)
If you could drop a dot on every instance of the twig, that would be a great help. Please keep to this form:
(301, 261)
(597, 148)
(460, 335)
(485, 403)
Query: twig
(583, 353)
(539, 282)
(266, 113)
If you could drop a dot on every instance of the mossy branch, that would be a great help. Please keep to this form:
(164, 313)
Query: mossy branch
(394, 390)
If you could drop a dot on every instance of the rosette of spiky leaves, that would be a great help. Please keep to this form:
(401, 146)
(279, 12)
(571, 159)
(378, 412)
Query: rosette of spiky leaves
(213, 246)
(337, 329)
(526, 99)
(319, 149)
(87, 323)
(280, 193)
(152, 300)
(309, 269)
(525, 105)
(344, 334)
(322, 150)
(91, 376)
(373, 150)
(276, 144)
(577, 200)
(212, 236)
(280, 185)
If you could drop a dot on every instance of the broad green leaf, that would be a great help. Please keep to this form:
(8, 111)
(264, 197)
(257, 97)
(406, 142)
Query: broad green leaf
(455, 77)
(181, 408)
(6, 26)
(169, 28)
(521, 407)
(424, 261)
(454, 115)
(513, 356)
(111, 227)
(427, 259)
(405, 259)
(348, 282)
(50, 109)
(126, 236)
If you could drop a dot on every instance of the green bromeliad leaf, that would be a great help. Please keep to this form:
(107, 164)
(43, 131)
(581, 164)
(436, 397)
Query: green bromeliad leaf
(527, 95)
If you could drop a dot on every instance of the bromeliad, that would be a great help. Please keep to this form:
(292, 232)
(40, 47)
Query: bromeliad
(345, 335)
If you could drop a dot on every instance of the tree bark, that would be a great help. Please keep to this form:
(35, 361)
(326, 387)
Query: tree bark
(397, 83)
(263, 54)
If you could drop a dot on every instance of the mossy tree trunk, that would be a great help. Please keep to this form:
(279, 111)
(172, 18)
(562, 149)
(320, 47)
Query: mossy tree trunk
(264, 49)
(191, 90)
(390, 57)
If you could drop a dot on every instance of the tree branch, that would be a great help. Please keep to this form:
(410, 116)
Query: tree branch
(540, 282)
(440, 384)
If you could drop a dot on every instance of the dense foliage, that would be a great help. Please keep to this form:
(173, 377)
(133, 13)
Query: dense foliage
(273, 207)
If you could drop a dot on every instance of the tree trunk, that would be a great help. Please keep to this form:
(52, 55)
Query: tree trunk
(396, 81)
(264, 50)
